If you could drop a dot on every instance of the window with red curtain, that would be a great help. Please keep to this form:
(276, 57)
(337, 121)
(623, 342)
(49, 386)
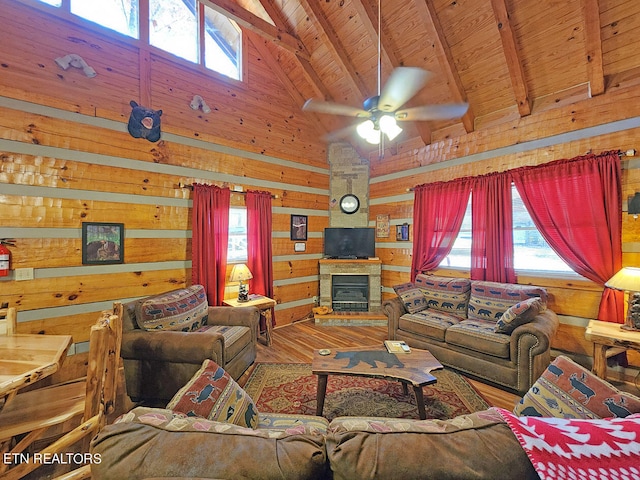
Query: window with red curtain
(492, 229)
(259, 250)
(438, 211)
(210, 237)
(576, 205)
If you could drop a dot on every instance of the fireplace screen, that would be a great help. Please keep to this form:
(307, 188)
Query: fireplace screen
(350, 293)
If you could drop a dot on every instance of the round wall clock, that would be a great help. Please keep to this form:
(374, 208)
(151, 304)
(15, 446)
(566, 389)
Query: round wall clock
(349, 204)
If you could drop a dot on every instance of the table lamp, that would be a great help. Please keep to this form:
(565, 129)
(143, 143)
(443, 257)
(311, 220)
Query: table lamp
(240, 273)
(628, 279)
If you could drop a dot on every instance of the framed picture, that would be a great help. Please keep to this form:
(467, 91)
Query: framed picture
(402, 232)
(382, 226)
(298, 227)
(102, 243)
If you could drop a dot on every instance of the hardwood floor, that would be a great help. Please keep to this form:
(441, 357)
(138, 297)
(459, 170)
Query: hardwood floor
(295, 344)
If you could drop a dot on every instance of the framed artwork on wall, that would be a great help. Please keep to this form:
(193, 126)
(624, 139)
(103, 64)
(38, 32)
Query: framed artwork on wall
(298, 227)
(102, 243)
(382, 226)
(402, 232)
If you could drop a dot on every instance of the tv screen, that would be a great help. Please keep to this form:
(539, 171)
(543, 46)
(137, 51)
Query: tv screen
(349, 242)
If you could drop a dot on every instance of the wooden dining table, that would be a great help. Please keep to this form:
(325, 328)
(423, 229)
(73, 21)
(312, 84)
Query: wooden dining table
(28, 358)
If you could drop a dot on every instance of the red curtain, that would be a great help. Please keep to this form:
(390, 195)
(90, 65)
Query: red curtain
(210, 237)
(438, 211)
(260, 257)
(492, 229)
(577, 207)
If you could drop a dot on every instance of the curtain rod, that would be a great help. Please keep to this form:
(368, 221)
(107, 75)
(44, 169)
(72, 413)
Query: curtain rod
(241, 192)
(627, 153)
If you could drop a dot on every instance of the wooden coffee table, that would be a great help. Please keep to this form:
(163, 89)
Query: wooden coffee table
(409, 368)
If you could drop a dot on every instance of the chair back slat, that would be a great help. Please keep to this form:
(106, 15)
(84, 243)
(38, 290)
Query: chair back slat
(8, 321)
(104, 356)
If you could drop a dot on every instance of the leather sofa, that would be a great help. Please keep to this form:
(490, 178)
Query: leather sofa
(166, 338)
(456, 319)
(152, 443)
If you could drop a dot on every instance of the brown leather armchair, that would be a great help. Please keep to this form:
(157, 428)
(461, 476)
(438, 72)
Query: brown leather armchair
(160, 359)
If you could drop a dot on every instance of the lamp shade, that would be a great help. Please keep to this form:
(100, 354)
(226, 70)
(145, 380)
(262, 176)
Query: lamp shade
(240, 273)
(627, 278)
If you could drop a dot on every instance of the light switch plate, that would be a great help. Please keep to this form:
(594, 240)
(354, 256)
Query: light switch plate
(23, 274)
(299, 247)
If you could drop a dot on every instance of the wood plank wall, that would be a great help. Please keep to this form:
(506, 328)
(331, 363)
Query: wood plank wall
(66, 158)
(595, 125)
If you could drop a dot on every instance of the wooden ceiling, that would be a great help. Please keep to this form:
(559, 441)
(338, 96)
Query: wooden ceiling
(506, 58)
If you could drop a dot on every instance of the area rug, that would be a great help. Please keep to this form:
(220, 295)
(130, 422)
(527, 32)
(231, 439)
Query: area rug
(291, 388)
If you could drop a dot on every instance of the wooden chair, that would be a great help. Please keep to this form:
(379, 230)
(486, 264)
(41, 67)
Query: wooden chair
(8, 321)
(30, 415)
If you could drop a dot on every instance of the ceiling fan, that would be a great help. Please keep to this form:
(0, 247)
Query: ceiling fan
(382, 111)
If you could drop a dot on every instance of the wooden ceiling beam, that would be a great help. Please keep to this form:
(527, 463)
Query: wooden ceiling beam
(593, 46)
(330, 38)
(516, 72)
(256, 24)
(428, 15)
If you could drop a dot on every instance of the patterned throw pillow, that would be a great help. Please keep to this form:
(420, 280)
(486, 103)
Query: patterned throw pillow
(185, 309)
(411, 297)
(567, 390)
(489, 300)
(450, 295)
(519, 314)
(213, 394)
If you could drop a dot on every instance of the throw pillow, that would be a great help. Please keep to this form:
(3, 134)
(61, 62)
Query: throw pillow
(489, 300)
(519, 314)
(567, 390)
(213, 394)
(450, 295)
(569, 449)
(411, 297)
(185, 309)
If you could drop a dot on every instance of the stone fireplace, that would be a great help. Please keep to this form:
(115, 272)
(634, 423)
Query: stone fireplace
(351, 285)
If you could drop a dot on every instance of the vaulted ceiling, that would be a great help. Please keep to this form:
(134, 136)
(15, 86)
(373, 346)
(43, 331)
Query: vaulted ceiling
(506, 58)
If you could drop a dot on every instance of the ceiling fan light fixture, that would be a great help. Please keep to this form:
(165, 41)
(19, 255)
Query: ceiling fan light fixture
(389, 126)
(368, 131)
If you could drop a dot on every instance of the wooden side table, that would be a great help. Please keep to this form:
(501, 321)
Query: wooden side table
(609, 340)
(262, 303)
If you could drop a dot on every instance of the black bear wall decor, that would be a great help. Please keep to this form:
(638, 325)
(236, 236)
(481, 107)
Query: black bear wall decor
(144, 122)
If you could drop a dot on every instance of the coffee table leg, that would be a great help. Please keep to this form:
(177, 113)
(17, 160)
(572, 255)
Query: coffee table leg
(420, 401)
(322, 390)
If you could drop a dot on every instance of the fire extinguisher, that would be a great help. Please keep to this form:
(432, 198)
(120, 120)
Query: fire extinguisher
(5, 256)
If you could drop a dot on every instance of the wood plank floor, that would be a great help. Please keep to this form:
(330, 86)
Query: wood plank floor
(295, 344)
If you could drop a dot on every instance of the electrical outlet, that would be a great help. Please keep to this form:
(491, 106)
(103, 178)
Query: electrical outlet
(315, 300)
(23, 274)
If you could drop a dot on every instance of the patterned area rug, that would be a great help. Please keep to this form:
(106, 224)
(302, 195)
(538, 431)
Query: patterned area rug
(291, 388)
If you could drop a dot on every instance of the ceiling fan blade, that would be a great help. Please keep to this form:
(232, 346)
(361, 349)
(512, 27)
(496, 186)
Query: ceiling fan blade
(403, 84)
(332, 108)
(339, 134)
(433, 112)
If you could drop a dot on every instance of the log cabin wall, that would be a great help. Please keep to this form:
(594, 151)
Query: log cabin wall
(608, 122)
(67, 158)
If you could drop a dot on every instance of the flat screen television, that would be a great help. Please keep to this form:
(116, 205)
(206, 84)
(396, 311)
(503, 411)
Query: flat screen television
(349, 242)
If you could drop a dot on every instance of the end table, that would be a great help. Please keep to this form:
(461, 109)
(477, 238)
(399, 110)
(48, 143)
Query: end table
(262, 303)
(608, 340)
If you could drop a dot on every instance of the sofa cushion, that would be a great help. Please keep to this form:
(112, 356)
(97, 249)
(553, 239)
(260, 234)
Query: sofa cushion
(479, 445)
(567, 390)
(184, 309)
(566, 449)
(213, 394)
(489, 300)
(236, 338)
(519, 314)
(450, 295)
(411, 296)
(479, 335)
(152, 442)
(427, 323)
